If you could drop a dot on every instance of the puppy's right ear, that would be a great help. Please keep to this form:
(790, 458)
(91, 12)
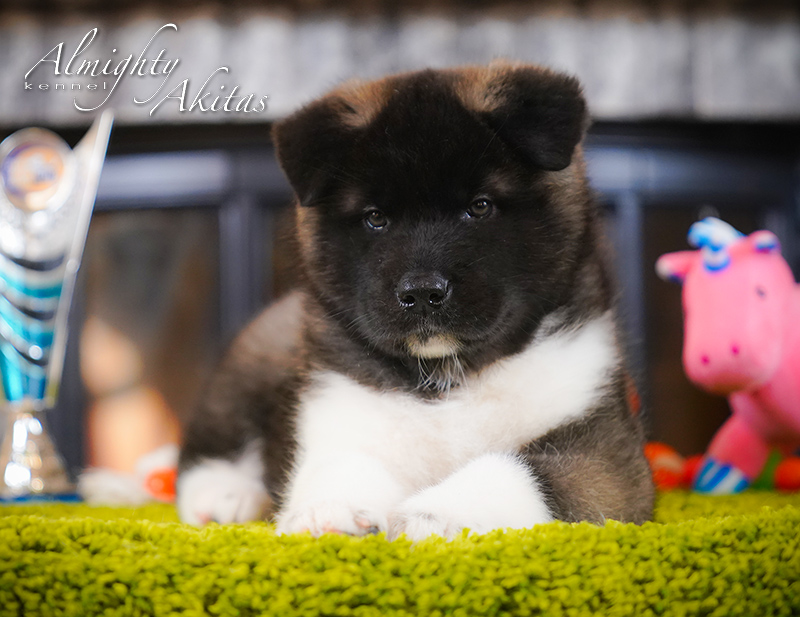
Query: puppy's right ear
(541, 114)
(308, 143)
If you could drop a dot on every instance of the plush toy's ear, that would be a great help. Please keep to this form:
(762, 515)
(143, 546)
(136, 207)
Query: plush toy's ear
(542, 115)
(308, 143)
(713, 233)
(765, 242)
(675, 266)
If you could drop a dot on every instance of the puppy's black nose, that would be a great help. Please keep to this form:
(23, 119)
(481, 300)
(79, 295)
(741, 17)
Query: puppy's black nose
(423, 291)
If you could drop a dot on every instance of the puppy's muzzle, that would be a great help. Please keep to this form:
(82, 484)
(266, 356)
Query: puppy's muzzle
(423, 292)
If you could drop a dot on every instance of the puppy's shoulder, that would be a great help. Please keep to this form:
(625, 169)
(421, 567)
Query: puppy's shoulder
(564, 359)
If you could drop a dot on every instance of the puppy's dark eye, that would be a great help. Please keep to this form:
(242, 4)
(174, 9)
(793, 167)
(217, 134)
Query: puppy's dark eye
(480, 208)
(375, 219)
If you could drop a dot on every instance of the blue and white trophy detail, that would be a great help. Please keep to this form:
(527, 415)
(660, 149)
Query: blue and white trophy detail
(47, 193)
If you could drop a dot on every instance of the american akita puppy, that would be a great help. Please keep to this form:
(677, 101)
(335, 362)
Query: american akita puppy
(450, 359)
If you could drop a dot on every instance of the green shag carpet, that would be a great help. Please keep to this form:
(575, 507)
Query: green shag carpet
(703, 556)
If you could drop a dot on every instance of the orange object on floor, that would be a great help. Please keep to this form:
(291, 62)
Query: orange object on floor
(666, 463)
(160, 483)
(787, 475)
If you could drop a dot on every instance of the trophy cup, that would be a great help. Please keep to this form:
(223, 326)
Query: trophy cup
(47, 193)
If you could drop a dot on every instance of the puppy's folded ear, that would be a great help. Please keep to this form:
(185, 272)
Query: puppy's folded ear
(308, 143)
(542, 115)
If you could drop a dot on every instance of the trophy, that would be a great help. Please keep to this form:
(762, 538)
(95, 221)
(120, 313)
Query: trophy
(47, 193)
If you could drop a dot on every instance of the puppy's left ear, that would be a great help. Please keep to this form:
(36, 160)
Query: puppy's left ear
(542, 115)
(308, 143)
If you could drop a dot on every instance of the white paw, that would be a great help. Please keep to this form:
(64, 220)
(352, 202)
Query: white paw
(330, 517)
(494, 491)
(418, 525)
(435, 512)
(221, 491)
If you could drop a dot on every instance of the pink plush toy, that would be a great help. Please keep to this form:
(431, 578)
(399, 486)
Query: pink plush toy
(741, 309)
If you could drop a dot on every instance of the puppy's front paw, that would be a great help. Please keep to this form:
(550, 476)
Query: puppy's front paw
(220, 491)
(419, 524)
(494, 491)
(330, 517)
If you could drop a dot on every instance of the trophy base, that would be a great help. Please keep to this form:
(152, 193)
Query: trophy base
(30, 466)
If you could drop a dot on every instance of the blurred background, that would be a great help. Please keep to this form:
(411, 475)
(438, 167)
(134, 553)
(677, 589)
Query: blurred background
(696, 108)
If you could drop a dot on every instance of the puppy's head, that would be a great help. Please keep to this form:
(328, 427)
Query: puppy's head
(440, 212)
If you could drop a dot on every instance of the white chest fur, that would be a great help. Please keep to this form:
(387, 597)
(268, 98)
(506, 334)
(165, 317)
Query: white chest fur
(499, 410)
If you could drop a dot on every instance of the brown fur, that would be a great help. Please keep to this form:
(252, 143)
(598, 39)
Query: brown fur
(362, 102)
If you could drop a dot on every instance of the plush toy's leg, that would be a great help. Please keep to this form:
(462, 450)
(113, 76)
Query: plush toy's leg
(734, 459)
